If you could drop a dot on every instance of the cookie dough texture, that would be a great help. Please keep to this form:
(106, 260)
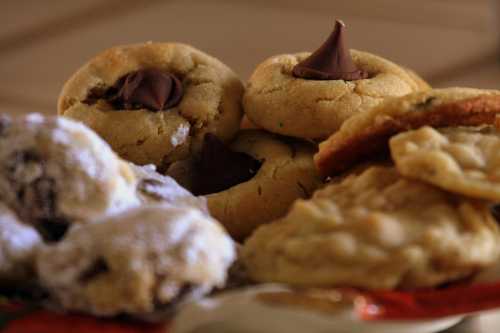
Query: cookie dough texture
(313, 109)
(211, 102)
(375, 231)
(153, 187)
(287, 173)
(137, 262)
(55, 169)
(366, 135)
(18, 245)
(460, 160)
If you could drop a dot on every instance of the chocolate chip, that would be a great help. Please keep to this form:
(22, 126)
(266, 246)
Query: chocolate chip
(52, 230)
(99, 267)
(151, 89)
(332, 61)
(220, 168)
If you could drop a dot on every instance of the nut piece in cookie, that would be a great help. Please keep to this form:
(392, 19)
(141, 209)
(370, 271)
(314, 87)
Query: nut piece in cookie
(154, 102)
(310, 95)
(18, 243)
(366, 135)
(253, 181)
(153, 187)
(146, 260)
(376, 230)
(461, 160)
(55, 171)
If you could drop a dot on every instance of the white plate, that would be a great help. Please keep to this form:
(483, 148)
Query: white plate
(238, 311)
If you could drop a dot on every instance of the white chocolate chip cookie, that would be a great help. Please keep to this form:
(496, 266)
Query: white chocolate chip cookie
(375, 231)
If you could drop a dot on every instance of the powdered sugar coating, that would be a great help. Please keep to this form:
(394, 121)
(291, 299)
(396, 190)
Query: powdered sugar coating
(137, 262)
(18, 244)
(57, 169)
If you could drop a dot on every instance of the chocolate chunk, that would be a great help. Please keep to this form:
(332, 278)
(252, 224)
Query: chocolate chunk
(332, 61)
(52, 230)
(151, 89)
(220, 168)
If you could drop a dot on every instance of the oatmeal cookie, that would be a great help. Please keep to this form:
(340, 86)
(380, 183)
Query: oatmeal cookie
(54, 171)
(154, 102)
(18, 245)
(310, 95)
(145, 260)
(366, 135)
(377, 230)
(460, 160)
(254, 181)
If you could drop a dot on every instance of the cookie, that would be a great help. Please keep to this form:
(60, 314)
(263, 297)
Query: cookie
(18, 245)
(377, 230)
(366, 135)
(154, 188)
(252, 182)
(310, 95)
(421, 83)
(55, 171)
(149, 259)
(154, 102)
(460, 160)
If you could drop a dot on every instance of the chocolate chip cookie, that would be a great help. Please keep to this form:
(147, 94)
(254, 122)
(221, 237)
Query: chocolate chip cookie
(253, 181)
(55, 171)
(148, 259)
(154, 102)
(310, 95)
(460, 159)
(376, 230)
(366, 135)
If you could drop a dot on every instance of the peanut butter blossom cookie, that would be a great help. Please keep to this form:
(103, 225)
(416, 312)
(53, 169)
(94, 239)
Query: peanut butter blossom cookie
(252, 181)
(310, 95)
(154, 102)
(366, 135)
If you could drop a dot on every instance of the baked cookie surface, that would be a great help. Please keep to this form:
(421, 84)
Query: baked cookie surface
(145, 260)
(366, 134)
(18, 244)
(205, 97)
(375, 231)
(285, 172)
(460, 160)
(54, 171)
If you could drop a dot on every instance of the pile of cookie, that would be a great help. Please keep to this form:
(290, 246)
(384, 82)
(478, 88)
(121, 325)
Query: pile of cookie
(114, 206)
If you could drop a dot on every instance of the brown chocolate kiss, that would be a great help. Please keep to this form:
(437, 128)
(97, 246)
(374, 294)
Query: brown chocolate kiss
(148, 88)
(220, 168)
(332, 61)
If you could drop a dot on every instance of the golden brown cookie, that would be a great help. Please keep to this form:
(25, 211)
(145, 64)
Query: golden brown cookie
(461, 160)
(366, 134)
(145, 260)
(281, 171)
(304, 95)
(154, 102)
(376, 230)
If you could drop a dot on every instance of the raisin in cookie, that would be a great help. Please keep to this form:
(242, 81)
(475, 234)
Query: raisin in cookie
(154, 102)
(460, 160)
(310, 95)
(145, 260)
(253, 181)
(18, 245)
(377, 230)
(366, 134)
(54, 171)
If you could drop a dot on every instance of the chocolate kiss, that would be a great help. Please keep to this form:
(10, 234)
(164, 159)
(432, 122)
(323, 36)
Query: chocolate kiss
(332, 61)
(220, 168)
(148, 88)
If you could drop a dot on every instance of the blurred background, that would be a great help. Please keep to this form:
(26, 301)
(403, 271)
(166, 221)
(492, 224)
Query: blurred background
(449, 42)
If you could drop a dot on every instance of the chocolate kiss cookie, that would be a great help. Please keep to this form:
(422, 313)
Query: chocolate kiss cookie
(310, 95)
(251, 182)
(366, 135)
(154, 102)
